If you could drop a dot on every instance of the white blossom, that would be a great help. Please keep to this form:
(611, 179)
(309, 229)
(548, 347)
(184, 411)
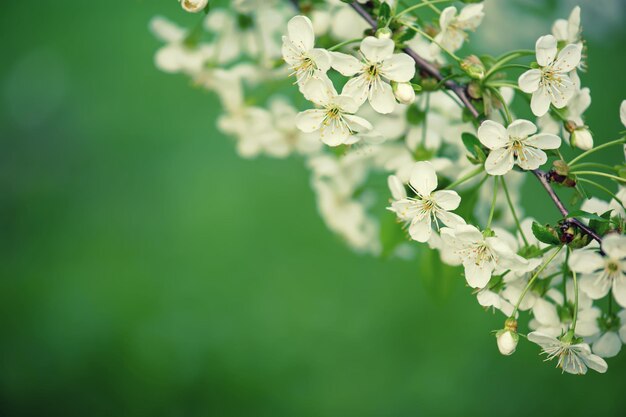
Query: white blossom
(551, 83)
(371, 75)
(454, 26)
(599, 274)
(481, 255)
(335, 121)
(428, 206)
(304, 60)
(516, 144)
(573, 358)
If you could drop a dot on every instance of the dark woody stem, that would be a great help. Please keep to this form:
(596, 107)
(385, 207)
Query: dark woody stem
(461, 92)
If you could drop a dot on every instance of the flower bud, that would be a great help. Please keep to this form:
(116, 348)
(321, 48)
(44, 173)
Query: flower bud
(404, 92)
(581, 138)
(507, 341)
(194, 6)
(507, 338)
(384, 33)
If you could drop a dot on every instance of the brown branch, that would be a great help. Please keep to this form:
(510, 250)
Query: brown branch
(461, 92)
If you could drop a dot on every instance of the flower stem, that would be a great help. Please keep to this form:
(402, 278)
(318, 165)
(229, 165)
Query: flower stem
(575, 317)
(600, 174)
(597, 148)
(591, 165)
(342, 44)
(493, 202)
(531, 281)
(603, 188)
(507, 112)
(512, 207)
(428, 3)
(466, 177)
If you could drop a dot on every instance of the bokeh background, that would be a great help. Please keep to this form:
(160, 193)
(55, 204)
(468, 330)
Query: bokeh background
(146, 270)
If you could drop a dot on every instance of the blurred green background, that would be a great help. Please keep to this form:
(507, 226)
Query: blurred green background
(148, 271)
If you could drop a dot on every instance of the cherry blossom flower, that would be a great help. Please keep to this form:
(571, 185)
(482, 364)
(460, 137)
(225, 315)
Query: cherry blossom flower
(372, 75)
(572, 357)
(428, 205)
(599, 274)
(303, 59)
(481, 255)
(568, 31)
(516, 144)
(551, 83)
(335, 121)
(454, 27)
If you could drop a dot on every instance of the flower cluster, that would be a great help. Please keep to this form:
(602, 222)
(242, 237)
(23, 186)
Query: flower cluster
(383, 94)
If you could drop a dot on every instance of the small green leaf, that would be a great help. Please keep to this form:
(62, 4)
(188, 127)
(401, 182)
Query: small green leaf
(384, 11)
(471, 142)
(545, 234)
(587, 215)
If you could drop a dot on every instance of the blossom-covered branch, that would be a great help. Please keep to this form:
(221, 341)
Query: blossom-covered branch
(447, 140)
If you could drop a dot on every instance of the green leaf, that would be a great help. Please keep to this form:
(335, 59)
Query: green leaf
(586, 215)
(384, 12)
(473, 146)
(545, 234)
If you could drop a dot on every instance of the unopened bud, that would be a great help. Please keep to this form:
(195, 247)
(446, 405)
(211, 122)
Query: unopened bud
(507, 341)
(581, 138)
(404, 92)
(194, 6)
(384, 33)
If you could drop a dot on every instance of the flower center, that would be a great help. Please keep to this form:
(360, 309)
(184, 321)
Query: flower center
(612, 267)
(372, 71)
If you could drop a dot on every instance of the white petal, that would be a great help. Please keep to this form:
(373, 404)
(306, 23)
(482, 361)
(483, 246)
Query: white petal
(447, 16)
(310, 120)
(478, 275)
(358, 124)
(396, 187)
(540, 101)
(608, 345)
(499, 162)
(300, 30)
(450, 219)
(321, 57)
(358, 88)
(593, 287)
(492, 134)
(521, 128)
(334, 134)
(346, 64)
(423, 178)
(544, 141)
(529, 81)
(568, 58)
(542, 340)
(399, 68)
(382, 98)
(377, 49)
(596, 363)
(585, 261)
(622, 112)
(546, 50)
(619, 290)
(447, 199)
(614, 246)
(529, 158)
(420, 229)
